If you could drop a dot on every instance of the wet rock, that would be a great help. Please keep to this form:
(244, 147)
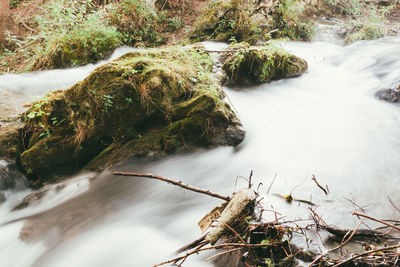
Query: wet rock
(247, 65)
(31, 198)
(146, 103)
(390, 95)
(10, 177)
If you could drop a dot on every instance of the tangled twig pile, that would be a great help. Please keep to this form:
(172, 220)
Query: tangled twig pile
(237, 228)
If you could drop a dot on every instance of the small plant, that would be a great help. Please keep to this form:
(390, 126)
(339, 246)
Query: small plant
(107, 101)
(128, 100)
(38, 114)
(14, 3)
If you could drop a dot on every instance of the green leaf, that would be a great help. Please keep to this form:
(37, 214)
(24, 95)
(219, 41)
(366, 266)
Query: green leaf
(31, 115)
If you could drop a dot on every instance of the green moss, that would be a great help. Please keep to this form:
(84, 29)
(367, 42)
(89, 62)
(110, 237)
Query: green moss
(238, 21)
(10, 144)
(144, 103)
(261, 64)
(46, 155)
(361, 30)
(226, 20)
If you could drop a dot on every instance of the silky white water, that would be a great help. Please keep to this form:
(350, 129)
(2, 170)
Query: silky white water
(327, 122)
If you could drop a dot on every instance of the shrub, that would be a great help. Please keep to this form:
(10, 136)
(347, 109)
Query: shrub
(291, 21)
(137, 21)
(72, 35)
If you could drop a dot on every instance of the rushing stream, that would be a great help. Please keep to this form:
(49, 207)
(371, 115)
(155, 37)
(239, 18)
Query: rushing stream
(327, 122)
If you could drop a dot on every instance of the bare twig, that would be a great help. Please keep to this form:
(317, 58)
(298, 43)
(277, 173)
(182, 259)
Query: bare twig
(236, 233)
(366, 253)
(251, 175)
(316, 182)
(178, 183)
(337, 247)
(192, 244)
(273, 180)
(355, 204)
(222, 253)
(377, 220)
(219, 246)
(391, 202)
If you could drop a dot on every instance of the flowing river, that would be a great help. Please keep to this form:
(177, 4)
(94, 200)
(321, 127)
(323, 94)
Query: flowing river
(327, 122)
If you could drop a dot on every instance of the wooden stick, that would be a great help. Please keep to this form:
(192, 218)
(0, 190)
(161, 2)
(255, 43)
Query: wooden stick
(391, 202)
(316, 182)
(178, 183)
(222, 253)
(251, 175)
(273, 180)
(226, 245)
(366, 253)
(337, 247)
(377, 220)
(193, 244)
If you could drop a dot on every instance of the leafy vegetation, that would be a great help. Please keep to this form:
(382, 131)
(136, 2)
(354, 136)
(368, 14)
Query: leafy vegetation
(238, 20)
(228, 20)
(290, 20)
(362, 20)
(137, 21)
(68, 33)
(15, 3)
(369, 25)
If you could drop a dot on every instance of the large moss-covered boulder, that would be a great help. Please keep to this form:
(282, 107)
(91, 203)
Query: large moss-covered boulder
(244, 64)
(143, 103)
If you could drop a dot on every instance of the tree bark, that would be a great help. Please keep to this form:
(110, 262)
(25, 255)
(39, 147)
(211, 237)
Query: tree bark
(4, 9)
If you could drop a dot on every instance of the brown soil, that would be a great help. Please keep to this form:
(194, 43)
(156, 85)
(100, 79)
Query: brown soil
(394, 18)
(18, 21)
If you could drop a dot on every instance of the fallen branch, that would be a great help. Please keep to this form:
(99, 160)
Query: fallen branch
(222, 253)
(366, 253)
(316, 182)
(219, 246)
(377, 220)
(343, 243)
(178, 183)
(361, 233)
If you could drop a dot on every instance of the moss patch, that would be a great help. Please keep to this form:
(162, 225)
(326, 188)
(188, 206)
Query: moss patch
(144, 103)
(227, 20)
(236, 20)
(261, 64)
(10, 144)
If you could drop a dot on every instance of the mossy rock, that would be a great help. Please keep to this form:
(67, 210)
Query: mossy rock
(249, 65)
(253, 22)
(144, 103)
(10, 143)
(227, 20)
